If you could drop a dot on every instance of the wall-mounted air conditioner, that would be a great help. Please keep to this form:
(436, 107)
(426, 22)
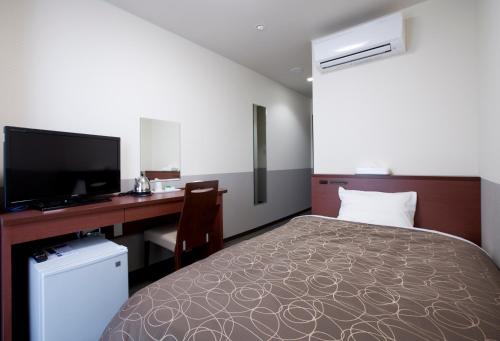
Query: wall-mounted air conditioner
(380, 38)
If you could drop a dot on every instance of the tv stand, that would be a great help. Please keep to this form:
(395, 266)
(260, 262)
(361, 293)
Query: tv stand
(76, 201)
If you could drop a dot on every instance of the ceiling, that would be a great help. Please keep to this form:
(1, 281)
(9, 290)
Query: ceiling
(228, 27)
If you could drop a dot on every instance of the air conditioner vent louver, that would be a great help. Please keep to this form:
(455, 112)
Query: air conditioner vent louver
(354, 57)
(377, 39)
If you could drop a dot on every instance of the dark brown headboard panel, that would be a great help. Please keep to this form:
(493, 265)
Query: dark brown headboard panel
(444, 203)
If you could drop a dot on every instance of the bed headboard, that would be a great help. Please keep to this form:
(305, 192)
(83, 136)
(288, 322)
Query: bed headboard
(444, 203)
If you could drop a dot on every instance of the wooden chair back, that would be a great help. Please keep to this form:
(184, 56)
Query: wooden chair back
(196, 224)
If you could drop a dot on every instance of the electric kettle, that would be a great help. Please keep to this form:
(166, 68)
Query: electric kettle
(142, 186)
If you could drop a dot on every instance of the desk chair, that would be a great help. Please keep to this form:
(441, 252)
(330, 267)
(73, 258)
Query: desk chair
(196, 224)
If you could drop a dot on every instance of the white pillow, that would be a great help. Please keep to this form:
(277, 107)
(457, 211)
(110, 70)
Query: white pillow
(380, 208)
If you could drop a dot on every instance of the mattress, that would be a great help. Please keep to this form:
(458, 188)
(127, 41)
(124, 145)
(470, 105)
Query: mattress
(317, 278)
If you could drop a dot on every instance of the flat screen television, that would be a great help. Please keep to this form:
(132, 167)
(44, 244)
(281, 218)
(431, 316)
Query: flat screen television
(48, 169)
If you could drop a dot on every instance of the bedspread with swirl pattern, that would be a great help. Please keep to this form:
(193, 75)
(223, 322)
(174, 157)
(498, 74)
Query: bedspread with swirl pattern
(323, 279)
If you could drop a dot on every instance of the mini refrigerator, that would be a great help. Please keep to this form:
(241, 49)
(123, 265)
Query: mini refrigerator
(77, 290)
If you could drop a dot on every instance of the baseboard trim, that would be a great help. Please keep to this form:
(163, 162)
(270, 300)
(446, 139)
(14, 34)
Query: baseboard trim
(242, 234)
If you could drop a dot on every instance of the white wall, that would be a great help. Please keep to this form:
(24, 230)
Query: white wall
(415, 113)
(489, 89)
(87, 66)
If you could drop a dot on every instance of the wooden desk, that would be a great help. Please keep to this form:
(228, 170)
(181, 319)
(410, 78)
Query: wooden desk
(33, 225)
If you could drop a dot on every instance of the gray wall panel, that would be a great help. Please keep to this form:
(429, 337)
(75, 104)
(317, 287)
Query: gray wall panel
(490, 219)
(288, 192)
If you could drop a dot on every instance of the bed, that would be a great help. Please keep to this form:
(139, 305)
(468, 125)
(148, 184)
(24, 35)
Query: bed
(319, 278)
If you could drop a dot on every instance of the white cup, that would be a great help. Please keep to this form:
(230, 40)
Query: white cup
(158, 186)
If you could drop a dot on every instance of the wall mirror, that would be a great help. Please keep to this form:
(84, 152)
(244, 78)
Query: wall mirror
(259, 155)
(160, 149)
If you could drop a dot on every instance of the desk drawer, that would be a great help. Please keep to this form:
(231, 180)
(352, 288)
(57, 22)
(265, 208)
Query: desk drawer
(150, 211)
(62, 225)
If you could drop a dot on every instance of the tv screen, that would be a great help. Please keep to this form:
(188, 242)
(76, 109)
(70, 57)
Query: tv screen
(42, 166)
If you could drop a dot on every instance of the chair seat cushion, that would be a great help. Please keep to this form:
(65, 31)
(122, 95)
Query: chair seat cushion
(164, 236)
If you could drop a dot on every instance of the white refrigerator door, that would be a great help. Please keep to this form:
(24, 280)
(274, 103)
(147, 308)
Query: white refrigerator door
(78, 303)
